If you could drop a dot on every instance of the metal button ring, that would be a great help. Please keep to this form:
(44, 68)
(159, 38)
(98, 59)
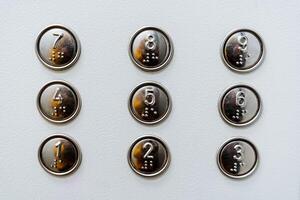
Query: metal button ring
(59, 155)
(240, 105)
(149, 103)
(148, 156)
(58, 102)
(242, 50)
(237, 158)
(57, 47)
(150, 49)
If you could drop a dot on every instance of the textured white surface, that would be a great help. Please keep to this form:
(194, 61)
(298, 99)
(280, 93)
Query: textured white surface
(196, 77)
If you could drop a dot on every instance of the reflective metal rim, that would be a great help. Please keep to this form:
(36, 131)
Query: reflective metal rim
(71, 33)
(242, 124)
(167, 164)
(157, 85)
(243, 70)
(77, 164)
(76, 112)
(170, 44)
(253, 168)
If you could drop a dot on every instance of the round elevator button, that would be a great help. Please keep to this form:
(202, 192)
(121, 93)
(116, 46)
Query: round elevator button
(149, 103)
(237, 158)
(57, 47)
(58, 102)
(59, 155)
(242, 50)
(150, 49)
(240, 105)
(148, 156)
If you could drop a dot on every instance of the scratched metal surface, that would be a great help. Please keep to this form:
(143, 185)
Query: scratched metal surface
(195, 78)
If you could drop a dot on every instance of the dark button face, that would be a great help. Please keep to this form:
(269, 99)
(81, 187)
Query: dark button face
(148, 156)
(240, 105)
(57, 47)
(59, 155)
(150, 49)
(149, 103)
(237, 158)
(58, 102)
(243, 50)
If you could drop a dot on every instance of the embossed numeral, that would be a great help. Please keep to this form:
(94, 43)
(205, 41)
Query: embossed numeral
(149, 148)
(149, 102)
(243, 47)
(57, 96)
(57, 155)
(59, 36)
(243, 41)
(238, 157)
(149, 97)
(58, 149)
(57, 103)
(240, 99)
(150, 44)
(148, 159)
